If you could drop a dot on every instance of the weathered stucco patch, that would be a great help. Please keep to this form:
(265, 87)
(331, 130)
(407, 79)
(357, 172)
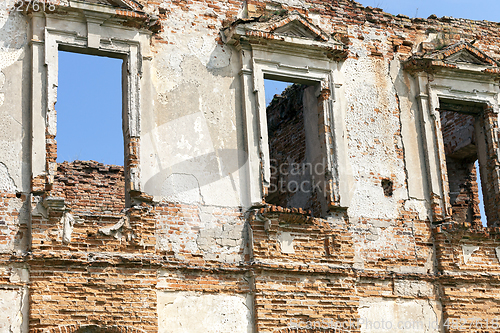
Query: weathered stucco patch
(13, 37)
(11, 311)
(468, 251)
(413, 288)
(6, 182)
(286, 242)
(186, 312)
(418, 206)
(213, 232)
(374, 134)
(398, 316)
(193, 170)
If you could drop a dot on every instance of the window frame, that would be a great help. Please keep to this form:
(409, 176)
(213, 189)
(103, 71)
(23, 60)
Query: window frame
(94, 30)
(269, 51)
(458, 85)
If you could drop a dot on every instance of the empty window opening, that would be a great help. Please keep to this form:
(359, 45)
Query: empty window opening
(90, 141)
(465, 150)
(296, 154)
(89, 109)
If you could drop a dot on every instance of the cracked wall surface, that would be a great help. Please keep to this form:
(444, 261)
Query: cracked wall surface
(216, 313)
(11, 308)
(186, 236)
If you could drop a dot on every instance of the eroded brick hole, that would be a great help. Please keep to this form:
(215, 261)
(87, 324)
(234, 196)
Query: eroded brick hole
(297, 165)
(91, 188)
(465, 150)
(388, 187)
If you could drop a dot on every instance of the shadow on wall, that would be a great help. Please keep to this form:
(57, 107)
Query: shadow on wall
(218, 165)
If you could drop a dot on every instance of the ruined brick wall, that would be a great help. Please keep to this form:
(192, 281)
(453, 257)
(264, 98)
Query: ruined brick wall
(90, 290)
(458, 134)
(84, 268)
(90, 188)
(351, 21)
(186, 254)
(293, 283)
(464, 196)
(193, 232)
(466, 252)
(85, 246)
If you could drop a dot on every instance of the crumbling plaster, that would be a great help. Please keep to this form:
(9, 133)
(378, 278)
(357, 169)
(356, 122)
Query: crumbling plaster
(373, 132)
(14, 300)
(188, 312)
(11, 315)
(14, 227)
(195, 82)
(396, 314)
(13, 74)
(215, 233)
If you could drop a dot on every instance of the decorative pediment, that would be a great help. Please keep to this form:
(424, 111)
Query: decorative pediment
(465, 57)
(290, 28)
(464, 53)
(293, 25)
(461, 56)
(296, 29)
(125, 12)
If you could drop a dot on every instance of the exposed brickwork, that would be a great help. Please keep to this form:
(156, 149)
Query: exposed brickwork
(294, 285)
(200, 233)
(13, 230)
(314, 240)
(91, 329)
(471, 294)
(133, 232)
(458, 134)
(90, 290)
(464, 197)
(282, 298)
(90, 277)
(215, 280)
(90, 188)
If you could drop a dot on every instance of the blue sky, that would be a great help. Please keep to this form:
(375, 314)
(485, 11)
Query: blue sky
(274, 88)
(89, 109)
(476, 10)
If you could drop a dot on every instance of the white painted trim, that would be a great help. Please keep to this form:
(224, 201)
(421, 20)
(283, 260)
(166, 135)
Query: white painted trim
(94, 31)
(449, 84)
(281, 60)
